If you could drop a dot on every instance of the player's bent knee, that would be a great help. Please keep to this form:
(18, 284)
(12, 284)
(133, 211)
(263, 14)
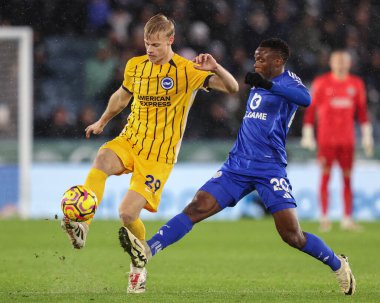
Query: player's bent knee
(101, 161)
(201, 207)
(294, 239)
(108, 162)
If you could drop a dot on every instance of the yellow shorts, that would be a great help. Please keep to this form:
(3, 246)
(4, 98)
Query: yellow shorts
(148, 177)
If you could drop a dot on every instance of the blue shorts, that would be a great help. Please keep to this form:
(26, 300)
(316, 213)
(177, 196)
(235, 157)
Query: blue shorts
(271, 183)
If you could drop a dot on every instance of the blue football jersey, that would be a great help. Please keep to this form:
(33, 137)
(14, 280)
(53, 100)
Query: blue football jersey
(268, 116)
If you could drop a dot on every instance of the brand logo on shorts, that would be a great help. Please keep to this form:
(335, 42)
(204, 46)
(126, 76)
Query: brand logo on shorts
(287, 196)
(167, 83)
(217, 174)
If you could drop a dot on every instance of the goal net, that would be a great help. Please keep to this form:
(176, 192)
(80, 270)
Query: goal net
(16, 129)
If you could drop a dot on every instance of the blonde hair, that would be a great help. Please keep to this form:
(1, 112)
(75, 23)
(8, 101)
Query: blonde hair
(159, 24)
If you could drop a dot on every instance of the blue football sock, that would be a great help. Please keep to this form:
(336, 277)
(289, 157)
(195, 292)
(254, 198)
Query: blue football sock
(316, 248)
(171, 232)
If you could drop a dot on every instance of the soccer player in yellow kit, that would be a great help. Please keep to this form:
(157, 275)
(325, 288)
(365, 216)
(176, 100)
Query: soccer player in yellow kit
(163, 86)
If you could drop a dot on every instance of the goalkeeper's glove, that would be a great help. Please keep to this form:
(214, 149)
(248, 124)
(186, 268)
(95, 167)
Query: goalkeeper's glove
(367, 139)
(255, 79)
(307, 140)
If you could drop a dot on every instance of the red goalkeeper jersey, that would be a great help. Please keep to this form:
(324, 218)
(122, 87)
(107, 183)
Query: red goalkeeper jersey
(335, 104)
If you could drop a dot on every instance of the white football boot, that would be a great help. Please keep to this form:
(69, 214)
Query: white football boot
(139, 251)
(136, 280)
(75, 231)
(345, 277)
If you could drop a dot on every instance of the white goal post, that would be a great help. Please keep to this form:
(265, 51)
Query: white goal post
(24, 38)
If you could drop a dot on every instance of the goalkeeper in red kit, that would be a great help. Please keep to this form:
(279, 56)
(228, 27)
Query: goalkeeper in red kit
(338, 97)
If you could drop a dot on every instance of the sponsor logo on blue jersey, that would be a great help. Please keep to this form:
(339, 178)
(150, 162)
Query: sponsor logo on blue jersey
(256, 115)
(255, 101)
(167, 83)
(253, 105)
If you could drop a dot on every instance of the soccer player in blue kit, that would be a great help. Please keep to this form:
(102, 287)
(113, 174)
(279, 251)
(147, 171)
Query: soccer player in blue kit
(257, 161)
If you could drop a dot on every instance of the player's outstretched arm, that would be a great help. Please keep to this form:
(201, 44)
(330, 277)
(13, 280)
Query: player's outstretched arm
(118, 101)
(298, 95)
(222, 81)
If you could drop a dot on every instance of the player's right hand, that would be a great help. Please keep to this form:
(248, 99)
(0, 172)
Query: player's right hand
(368, 149)
(205, 62)
(95, 128)
(367, 139)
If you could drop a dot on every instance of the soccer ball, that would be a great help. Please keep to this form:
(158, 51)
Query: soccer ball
(79, 203)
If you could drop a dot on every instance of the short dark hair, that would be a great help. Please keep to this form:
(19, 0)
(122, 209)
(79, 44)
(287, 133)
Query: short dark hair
(278, 45)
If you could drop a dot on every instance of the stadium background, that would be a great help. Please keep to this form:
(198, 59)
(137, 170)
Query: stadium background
(80, 49)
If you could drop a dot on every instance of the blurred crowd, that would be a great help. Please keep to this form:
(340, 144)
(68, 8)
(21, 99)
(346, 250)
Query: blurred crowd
(81, 47)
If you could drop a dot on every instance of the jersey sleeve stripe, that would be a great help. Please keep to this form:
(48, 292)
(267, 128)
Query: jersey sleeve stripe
(126, 89)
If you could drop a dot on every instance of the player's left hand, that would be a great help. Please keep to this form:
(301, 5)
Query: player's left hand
(255, 79)
(205, 62)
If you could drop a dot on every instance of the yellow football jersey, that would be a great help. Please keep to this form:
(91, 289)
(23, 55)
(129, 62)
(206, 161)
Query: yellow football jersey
(162, 97)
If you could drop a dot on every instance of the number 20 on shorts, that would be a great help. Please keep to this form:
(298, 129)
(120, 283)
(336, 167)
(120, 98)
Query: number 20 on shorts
(279, 184)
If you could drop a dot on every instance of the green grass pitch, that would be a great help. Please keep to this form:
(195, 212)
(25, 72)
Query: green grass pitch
(239, 261)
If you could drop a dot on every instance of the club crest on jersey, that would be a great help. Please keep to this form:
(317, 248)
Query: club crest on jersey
(167, 83)
(351, 91)
(255, 101)
(217, 174)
